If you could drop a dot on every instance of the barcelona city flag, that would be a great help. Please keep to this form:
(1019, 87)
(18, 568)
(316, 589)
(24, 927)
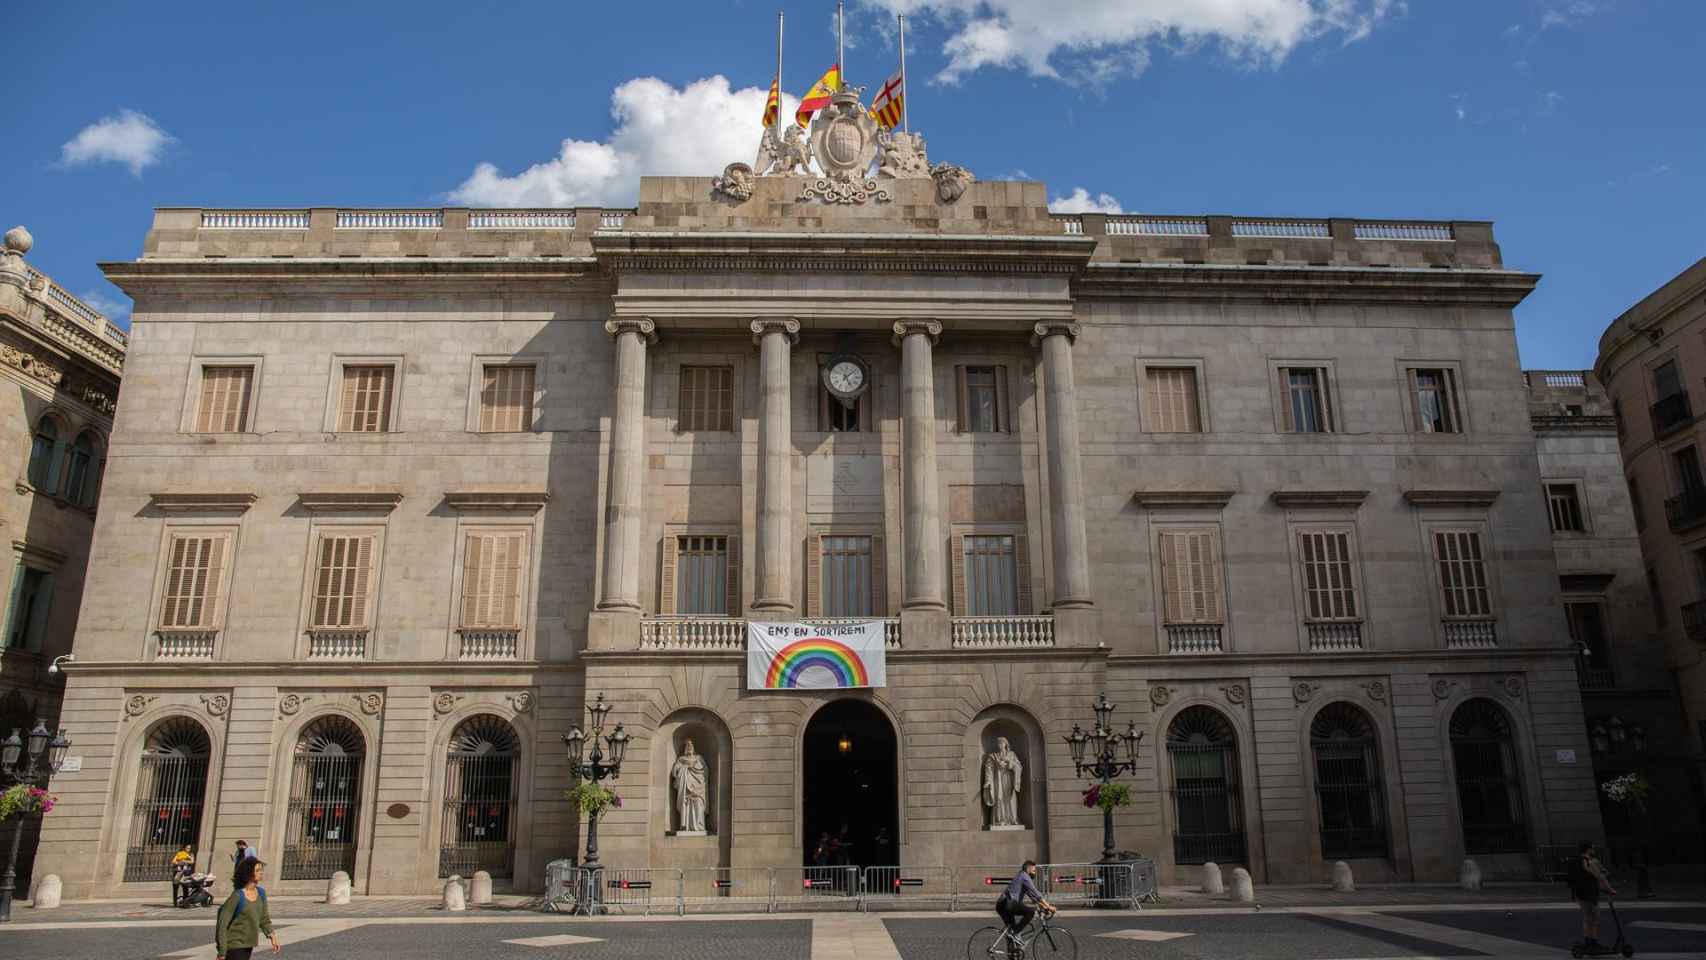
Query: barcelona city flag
(887, 107)
(773, 104)
(818, 96)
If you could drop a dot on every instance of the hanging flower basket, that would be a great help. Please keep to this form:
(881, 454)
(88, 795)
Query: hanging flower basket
(591, 799)
(1108, 796)
(23, 800)
(1631, 789)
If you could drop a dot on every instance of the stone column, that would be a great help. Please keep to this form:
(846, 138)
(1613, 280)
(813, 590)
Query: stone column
(1071, 550)
(922, 523)
(623, 499)
(775, 559)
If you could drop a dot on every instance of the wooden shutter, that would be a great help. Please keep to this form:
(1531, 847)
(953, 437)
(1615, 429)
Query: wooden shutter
(1448, 402)
(666, 577)
(363, 581)
(734, 608)
(36, 630)
(224, 403)
(961, 404)
(814, 575)
(193, 574)
(1324, 394)
(366, 399)
(879, 578)
(473, 574)
(1288, 424)
(1003, 415)
(1190, 578)
(957, 562)
(1415, 399)
(1172, 396)
(1022, 575)
(509, 579)
(343, 581)
(506, 398)
(1171, 571)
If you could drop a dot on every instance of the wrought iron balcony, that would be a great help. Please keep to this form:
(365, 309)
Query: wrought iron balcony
(1596, 678)
(1694, 621)
(1686, 511)
(1671, 413)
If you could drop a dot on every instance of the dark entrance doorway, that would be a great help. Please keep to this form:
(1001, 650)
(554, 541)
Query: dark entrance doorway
(851, 804)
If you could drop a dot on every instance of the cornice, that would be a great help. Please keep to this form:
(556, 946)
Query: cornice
(841, 253)
(350, 501)
(202, 502)
(1560, 423)
(1319, 498)
(497, 501)
(1277, 283)
(1164, 499)
(1451, 498)
(138, 274)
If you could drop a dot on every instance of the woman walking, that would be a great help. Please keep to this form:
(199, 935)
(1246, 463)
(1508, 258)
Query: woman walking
(244, 917)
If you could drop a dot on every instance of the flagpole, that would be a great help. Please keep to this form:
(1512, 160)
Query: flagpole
(778, 68)
(840, 43)
(905, 101)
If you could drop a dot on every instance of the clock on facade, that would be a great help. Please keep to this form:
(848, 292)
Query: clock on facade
(845, 376)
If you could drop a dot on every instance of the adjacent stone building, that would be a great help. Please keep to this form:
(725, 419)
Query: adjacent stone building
(61, 361)
(396, 494)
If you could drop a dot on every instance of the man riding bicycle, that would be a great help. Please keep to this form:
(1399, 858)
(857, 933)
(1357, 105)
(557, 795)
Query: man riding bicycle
(1011, 905)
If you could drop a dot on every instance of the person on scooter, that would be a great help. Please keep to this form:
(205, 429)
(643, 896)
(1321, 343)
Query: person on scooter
(1587, 882)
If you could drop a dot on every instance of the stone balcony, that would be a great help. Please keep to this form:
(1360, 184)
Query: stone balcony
(185, 644)
(728, 634)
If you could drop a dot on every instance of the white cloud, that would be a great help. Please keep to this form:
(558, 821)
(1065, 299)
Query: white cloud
(1080, 201)
(1568, 13)
(660, 130)
(113, 309)
(127, 137)
(1092, 41)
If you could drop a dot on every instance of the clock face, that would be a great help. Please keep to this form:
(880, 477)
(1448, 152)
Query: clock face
(846, 378)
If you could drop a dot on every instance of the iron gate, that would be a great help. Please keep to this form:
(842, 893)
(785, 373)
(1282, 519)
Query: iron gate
(1489, 791)
(478, 827)
(1208, 820)
(1347, 784)
(170, 788)
(325, 801)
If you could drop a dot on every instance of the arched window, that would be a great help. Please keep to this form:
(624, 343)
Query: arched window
(1348, 783)
(325, 800)
(1489, 786)
(1208, 808)
(80, 475)
(478, 830)
(41, 454)
(171, 787)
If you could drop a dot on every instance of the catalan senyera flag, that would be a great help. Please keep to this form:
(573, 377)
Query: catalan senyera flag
(818, 96)
(887, 107)
(773, 105)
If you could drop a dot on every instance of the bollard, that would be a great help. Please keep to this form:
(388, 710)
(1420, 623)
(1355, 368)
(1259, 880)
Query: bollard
(338, 889)
(1243, 890)
(1211, 882)
(480, 889)
(1343, 882)
(455, 900)
(48, 891)
(1469, 875)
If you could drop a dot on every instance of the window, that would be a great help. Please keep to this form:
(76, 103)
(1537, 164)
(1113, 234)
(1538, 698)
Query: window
(1433, 392)
(366, 406)
(1586, 619)
(32, 595)
(323, 816)
(701, 576)
(707, 399)
(1489, 788)
(1687, 464)
(1659, 616)
(1667, 380)
(42, 473)
(833, 416)
(171, 788)
(1564, 501)
(491, 580)
(1572, 409)
(1462, 574)
(1635, 504)
(1348, 783)
(1329, 583)
(194, 572)
(1208, 807)
(1170, 400)
(1190, 577)
(845, 580)
(983, 399)
(342, 581)
(224, 403)
(80, 480)
(988, 576)
(506, 398)
(1304, 406)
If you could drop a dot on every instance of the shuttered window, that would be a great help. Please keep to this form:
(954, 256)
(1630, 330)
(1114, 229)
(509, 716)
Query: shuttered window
(224, 403)
(506, 398)
(846, 577)
(1170, 400)
(1304, 406)
(982, 399)
(1190, 577)
(195, 564)
(366, 404)
(1462, 573)
(1565, 503)
(491, 580)
(707, 398)
(1433, 394)
(991, 576)
(342, 580)
(1329, 584)
(702, 568)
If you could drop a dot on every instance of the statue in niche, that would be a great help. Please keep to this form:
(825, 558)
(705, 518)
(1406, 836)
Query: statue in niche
(690, 778)
(1002, 773)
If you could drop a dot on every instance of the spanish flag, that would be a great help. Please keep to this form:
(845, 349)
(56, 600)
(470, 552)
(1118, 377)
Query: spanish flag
(886, 105)
(773, 105)
(818, 97)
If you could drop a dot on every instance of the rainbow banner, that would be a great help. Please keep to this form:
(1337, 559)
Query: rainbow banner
(815, 656)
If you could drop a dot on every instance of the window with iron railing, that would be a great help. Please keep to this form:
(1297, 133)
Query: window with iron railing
(1564, 503)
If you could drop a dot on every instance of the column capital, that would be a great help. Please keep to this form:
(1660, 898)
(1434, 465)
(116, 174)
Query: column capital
(1055, 328)
(784, 325)
(640, 325)
(906, 328)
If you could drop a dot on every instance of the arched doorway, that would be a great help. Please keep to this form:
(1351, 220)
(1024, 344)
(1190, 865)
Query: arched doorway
(1348, 788)
(1489, 783)
(1208, 804)
(325, 800)
(850, 813)
(478, 828)
(171, 787)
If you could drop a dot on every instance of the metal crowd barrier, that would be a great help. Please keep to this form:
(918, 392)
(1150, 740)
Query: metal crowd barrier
(708, 889)
(637, 889)
(562, 880)
(819, 888)
(903, 886)
(1087, 884)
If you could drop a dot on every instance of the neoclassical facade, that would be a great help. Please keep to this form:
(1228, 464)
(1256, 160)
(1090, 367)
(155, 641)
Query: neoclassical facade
(395, 494)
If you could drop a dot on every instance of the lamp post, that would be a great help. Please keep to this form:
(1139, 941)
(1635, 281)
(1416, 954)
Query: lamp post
(1103, 762)
(34, 765)
(594, 767)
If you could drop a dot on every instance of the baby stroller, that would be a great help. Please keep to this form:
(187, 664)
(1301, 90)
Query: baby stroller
(195, 889)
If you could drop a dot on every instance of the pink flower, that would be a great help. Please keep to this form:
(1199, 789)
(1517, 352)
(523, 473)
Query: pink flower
(1093, 795)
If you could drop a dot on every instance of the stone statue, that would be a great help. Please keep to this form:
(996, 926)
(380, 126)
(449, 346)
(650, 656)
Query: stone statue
(690, 779)
(1002, 773)
(951, 181)
(903, 156)
(783, 157)
(735, 183)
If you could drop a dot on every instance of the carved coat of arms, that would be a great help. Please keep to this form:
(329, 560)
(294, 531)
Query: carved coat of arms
(844, 140)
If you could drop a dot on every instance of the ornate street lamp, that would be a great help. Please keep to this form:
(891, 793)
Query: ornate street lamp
(1103, 761)
(595, 767)
(32, 761)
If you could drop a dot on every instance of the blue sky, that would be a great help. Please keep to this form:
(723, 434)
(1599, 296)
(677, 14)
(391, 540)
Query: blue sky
(1577, 125)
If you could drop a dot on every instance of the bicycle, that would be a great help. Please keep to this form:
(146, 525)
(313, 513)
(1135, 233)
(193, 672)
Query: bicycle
(1045, 939)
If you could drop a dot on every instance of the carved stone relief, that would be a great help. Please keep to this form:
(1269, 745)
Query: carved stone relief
(290, 704)
(1376, 689)
(522, 702)
(137, 705)
(445, 702)
(1302, 690)
(370, 703)
(218, 704)
(1235, 693)
(1159, 696)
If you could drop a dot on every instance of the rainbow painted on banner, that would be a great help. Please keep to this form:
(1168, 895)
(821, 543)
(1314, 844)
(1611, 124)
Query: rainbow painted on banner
(796, 658)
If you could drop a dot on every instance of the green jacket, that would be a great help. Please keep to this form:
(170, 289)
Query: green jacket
(241, 923)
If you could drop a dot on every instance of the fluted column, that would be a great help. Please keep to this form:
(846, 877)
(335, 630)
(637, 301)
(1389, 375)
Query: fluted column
(775, 560)
(922, 523)
(1065, 471)
(623, 496)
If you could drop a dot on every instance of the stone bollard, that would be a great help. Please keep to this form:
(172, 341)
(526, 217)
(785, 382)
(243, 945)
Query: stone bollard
(1243, 889)
(1211, 882)
(1343, 882)
(338, 889)
(48, 891)
(455, 898)
(1469, 875)
(480, 890)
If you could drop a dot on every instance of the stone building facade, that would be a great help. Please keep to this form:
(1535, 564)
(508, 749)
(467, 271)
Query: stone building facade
(396, 489)
(61, 361)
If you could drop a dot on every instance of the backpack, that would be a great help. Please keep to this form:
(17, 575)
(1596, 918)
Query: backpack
(1581, 883)
(243, 901)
